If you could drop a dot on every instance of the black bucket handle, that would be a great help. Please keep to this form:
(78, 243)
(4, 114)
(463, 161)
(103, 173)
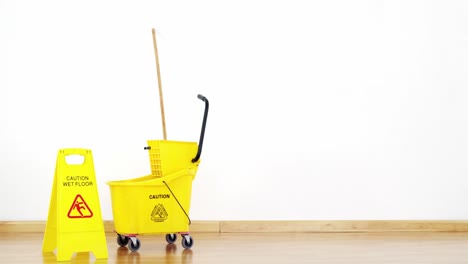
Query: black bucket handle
(202, 134)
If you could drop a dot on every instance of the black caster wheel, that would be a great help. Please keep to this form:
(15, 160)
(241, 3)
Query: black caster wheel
(122, 240)
(187, 241)
(134, 246)
(171, 238)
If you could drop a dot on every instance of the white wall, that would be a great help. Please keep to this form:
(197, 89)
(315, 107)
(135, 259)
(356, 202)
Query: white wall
(319, 109)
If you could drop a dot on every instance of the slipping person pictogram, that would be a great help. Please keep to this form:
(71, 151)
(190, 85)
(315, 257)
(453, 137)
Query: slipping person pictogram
(78, 205)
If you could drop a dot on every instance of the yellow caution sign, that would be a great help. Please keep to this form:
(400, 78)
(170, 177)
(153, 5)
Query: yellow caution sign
(75, 222)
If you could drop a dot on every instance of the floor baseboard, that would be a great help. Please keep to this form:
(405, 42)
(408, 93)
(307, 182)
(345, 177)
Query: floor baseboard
(319, 226)
(343, 226)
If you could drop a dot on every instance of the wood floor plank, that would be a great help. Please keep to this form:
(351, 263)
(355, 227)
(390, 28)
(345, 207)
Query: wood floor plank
(401, 248)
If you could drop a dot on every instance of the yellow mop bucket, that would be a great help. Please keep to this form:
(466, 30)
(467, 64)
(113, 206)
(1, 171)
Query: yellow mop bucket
(152, 206)
(160, 202)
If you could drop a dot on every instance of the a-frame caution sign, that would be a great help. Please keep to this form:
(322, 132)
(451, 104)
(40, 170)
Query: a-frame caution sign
(75, 223)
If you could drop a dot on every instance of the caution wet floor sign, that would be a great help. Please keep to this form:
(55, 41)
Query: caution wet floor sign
(75, 223)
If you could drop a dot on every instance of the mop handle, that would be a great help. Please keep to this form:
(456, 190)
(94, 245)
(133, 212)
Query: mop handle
(159, 84)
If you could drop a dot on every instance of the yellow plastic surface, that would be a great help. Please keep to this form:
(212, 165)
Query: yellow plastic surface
(147, 206)
(167, 157)
(75, 223)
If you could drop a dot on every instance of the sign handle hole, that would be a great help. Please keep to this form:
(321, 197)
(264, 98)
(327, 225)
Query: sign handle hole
(74, 159)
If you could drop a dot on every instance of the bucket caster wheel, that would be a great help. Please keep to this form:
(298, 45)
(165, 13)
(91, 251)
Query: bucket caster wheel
(122, 240)
(171, 238)
(134, 244)
(187, 241)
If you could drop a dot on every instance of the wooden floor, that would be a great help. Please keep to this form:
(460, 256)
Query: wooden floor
(407, 247)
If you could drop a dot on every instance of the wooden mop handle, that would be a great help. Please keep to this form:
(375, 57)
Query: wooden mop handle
(161, 102)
